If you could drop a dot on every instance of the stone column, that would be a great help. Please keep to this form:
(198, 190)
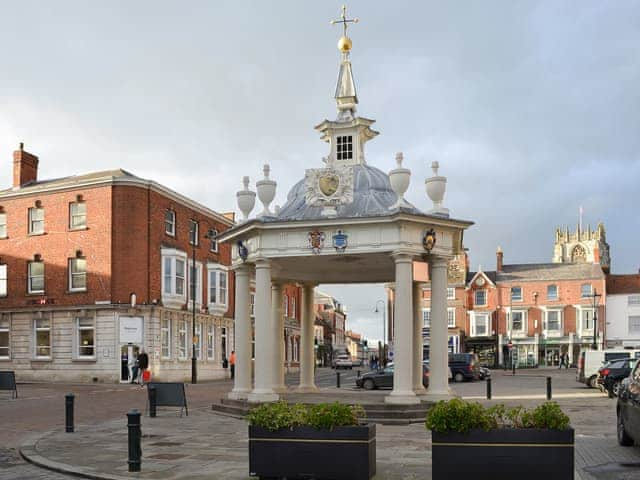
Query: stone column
(536, 339)
(570, 352)
(263, 389)
(307, 381)
(418, 387)
(277, 322)
(438, 351)
(500, 356)
(403, 334)
(242, 326)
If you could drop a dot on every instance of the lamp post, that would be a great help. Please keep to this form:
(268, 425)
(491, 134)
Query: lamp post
(595, 296)
(384, 331)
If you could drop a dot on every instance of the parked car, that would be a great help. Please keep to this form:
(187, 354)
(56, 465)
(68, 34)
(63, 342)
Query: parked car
(342, 361)
(384, 378)
(612, 373)
(590, 361)
(628, 408)
(464, 366)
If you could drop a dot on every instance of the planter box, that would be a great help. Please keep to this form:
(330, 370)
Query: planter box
(522, 454)
(347, 453)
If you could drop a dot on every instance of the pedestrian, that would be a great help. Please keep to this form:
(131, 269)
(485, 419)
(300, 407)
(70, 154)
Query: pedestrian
(143, 364)
(133, 367)
(232, 363)
(566, 361)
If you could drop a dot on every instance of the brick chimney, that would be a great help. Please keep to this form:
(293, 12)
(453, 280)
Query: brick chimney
(499, 256)
(25, 167)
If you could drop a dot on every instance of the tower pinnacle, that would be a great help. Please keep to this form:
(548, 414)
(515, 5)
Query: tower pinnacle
(346, 98)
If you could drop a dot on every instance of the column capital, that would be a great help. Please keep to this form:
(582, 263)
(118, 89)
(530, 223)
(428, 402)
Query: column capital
(242, 269)
(402, 256)
(262, 262)
(438, 261)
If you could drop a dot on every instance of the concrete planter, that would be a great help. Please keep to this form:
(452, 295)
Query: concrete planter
(523, 454)
(347, 453)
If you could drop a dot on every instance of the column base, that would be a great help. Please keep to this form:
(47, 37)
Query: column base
(402, 398)
(280, 389)
(307, 389)
(263, 397)
(240, 394)
(435, 396)
(420, 390)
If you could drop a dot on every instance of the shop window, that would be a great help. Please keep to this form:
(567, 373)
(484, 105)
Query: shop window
(165, 337)
(5, 351)
(42, 338)
(86, 338)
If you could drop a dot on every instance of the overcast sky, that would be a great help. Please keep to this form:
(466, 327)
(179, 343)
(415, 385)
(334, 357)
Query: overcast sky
(531, 108)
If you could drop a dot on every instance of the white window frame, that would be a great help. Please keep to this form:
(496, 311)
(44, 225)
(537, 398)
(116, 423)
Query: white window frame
(30, 277)
(475, 297)
(211, 341)
(41, 325)
(583, 294)
(36, 225)
(557, 294)
(545, 326)
(215, 273)
(194, 232)
(252, 304)
(635, 331)
(170, 223)
(213, 240)
(293, 307)
(426, 318)
(475, 317)
(451, 293)
(199, 342)
(285, 303)
(632, 300)
(4, 280)
(344, 147)
(516, 298)
(525, 322)
(198, 283)
(73, 274)
(5, 327)
(3, 225)
(183, 340)
(73, 216)
(581, 311)
(90, 325)
(170, 296)
(165, 337)
(451, 317)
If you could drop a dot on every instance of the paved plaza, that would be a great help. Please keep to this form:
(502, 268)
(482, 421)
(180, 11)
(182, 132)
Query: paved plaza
(213, 446)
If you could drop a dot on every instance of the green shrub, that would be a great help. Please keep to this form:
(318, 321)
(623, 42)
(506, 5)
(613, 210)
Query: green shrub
(460, 416)
(280, 415)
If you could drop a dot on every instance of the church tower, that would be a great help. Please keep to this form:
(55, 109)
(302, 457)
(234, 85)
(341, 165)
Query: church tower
(583, 246)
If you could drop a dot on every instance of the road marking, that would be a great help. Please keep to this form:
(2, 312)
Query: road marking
(533, 396)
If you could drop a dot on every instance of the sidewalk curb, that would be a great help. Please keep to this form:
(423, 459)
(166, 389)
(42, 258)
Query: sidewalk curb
(28, 450)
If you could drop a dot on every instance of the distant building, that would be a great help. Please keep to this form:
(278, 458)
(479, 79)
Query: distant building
(623, 311)
(331, 311)
(96, 266)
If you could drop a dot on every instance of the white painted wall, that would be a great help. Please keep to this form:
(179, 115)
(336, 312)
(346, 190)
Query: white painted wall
(618, 313)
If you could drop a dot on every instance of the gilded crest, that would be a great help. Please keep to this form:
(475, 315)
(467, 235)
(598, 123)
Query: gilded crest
(429, 239)
(329, 184)
(316, 241)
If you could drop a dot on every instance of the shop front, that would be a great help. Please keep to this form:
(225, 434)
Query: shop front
(485, 348)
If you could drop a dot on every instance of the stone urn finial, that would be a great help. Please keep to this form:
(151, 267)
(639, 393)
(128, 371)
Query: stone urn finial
(246, 199)
(266, 191)
(436, 187)
(399, 179)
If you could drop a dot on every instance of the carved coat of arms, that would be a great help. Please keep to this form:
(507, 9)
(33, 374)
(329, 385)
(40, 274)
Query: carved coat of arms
(316, 241)
(429, 239)
(340, 241)
(329, 188)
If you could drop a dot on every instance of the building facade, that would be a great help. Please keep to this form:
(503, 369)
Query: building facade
(96, 267)
(623, 311)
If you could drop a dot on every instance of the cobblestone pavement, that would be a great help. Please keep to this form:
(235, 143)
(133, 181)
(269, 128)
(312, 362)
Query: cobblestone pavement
(208, 445)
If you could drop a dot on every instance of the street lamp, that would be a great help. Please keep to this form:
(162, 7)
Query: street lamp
(595, 319)
(384, 331)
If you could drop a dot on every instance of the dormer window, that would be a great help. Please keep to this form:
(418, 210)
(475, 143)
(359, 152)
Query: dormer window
(344, 147)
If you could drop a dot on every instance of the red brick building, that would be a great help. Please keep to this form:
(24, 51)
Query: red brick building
(94, 267)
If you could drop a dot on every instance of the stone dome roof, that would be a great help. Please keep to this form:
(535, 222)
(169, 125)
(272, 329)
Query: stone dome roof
(372, 196)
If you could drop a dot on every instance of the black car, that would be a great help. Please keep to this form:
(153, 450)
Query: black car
(383, 378)
(611, 374)
(628, 408)
(464, 366)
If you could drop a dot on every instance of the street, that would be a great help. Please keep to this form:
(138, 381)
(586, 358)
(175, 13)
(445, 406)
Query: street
(40, 408)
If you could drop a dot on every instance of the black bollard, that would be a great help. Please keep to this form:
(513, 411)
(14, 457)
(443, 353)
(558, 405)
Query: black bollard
(152, 401)
(337, 379)
(68, 412)
(488, 389)
(548, 388)
(135, 436)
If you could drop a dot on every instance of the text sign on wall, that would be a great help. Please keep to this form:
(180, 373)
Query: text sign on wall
(131, 330)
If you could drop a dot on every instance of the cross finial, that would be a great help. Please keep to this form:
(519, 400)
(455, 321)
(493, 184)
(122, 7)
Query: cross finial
(344, 20)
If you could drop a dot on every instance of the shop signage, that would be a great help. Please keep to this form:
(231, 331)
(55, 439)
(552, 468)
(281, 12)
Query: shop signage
(131, 330)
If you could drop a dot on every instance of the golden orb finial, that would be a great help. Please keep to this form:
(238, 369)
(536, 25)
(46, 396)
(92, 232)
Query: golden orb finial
(344, 44)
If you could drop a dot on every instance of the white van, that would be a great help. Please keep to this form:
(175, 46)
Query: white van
(591, 360)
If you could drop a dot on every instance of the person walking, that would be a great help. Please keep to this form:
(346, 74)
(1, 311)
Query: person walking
(133, 367)
(561, 361)
(566, 361)
(143, 364)
(232, 363)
